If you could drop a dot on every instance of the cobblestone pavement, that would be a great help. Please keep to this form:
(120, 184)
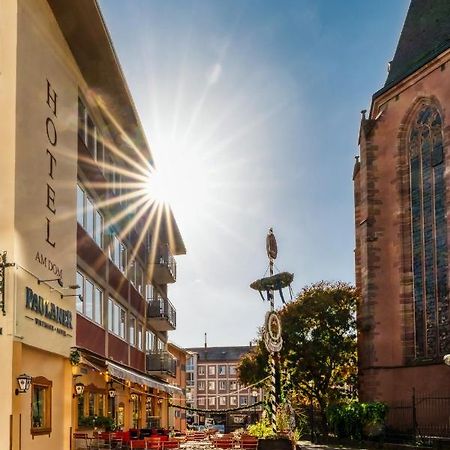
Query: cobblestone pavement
(308, 445)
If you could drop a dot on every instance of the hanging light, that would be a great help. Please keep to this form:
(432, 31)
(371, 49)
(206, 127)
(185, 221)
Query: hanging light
(24, 382)
(111, 390)
(79, 390)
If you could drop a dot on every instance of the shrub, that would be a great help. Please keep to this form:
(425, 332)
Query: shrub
(357, 420)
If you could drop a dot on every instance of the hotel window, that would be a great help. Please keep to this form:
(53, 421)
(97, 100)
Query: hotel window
(118, 253)
(116, 318)
(429, 233)
(211, 401)
(91, 302)
(89, 217)
(149, 292)
(150, 339)
(201, 385)
(233, 400)
(139, 337)
(211, 385)
(211, 370)
(243, 401)
(132, 337)
(201, 401)
(232, 370)
(201, 370)
(222, 401)
(222, 385)
(233, 386)
(222, 370)
(41, 404)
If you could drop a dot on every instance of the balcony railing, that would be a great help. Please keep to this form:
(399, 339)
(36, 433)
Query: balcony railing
(163, 270)
(161, 363)
(161, 314)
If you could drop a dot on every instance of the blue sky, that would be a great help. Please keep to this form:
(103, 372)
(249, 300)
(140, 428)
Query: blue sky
(256, 107)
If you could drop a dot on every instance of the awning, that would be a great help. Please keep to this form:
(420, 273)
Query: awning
(131, 375)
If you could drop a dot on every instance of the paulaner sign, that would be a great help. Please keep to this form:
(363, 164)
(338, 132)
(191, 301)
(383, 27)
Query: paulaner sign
(47, 309)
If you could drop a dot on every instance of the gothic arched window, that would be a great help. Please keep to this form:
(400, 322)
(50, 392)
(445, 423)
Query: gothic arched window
(429, 233)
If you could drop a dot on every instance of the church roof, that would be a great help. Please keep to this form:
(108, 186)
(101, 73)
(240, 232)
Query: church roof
(425, 34)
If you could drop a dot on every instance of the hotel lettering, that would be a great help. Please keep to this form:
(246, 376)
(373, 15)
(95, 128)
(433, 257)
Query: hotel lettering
(52, 137)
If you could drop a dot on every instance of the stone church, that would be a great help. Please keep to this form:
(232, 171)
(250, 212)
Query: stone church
(402, 196)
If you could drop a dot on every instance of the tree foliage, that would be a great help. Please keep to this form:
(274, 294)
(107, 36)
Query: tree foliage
(319, 344)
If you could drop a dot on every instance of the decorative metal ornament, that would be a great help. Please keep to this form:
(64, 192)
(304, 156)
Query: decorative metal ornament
(271, 245)
(272, 332)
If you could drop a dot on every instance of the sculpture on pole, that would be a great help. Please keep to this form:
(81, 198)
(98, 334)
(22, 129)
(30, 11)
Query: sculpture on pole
(272, 329)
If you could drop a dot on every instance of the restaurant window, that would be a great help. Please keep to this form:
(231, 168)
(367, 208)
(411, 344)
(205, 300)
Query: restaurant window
(41, 404)
(136, 412)
(91, 404)
(91, 302)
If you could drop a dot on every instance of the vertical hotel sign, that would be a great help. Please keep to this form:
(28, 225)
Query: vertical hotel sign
(46, 168)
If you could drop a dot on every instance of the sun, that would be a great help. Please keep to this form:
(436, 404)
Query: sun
(181, 179)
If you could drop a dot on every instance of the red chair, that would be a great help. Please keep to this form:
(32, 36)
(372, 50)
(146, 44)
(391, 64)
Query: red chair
(138, 443)
(170, 443)
(153, 442)
(223, 443)
(249, 443)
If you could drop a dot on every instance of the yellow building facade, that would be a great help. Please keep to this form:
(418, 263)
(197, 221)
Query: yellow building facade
(51, 54)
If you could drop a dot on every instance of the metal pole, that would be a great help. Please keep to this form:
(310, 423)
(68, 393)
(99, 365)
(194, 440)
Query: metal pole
(272, 358)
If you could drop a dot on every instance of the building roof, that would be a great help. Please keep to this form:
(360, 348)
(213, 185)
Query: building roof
(220, 353)
(425, 34)
(85, 31)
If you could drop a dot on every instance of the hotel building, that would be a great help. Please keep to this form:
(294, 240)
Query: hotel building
(86, 256)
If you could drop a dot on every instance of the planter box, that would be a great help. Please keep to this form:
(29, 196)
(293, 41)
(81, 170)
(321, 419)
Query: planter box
(275, 444)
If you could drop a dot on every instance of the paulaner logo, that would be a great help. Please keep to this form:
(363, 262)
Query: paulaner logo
(47, 309)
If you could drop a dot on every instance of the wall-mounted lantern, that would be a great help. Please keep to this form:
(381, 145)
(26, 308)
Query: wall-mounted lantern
(79, 390)
(24, 382)
(111, 390)
(133, 396)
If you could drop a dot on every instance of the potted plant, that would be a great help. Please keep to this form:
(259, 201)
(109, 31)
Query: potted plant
(267, 439)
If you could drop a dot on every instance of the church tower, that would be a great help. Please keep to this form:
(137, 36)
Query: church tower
(402, 199)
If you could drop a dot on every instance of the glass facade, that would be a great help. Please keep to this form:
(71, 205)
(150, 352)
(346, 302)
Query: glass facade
(429, 234)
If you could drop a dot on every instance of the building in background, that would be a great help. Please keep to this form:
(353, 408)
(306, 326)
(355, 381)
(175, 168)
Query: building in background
(177, 416)
(402, 200)
(86, 301)
(214, 385)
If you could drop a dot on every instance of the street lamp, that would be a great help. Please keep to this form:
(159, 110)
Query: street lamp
(79, 390)
(255, 398)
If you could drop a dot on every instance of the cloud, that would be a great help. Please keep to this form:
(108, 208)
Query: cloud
(214, 74)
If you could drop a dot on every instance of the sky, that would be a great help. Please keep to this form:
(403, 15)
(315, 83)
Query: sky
(252, 111)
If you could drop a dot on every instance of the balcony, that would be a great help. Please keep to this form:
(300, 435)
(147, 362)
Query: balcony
(161, 363)
(163, 270)
(161, 315)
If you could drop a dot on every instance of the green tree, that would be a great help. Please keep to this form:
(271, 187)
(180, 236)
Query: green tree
(319, 345)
